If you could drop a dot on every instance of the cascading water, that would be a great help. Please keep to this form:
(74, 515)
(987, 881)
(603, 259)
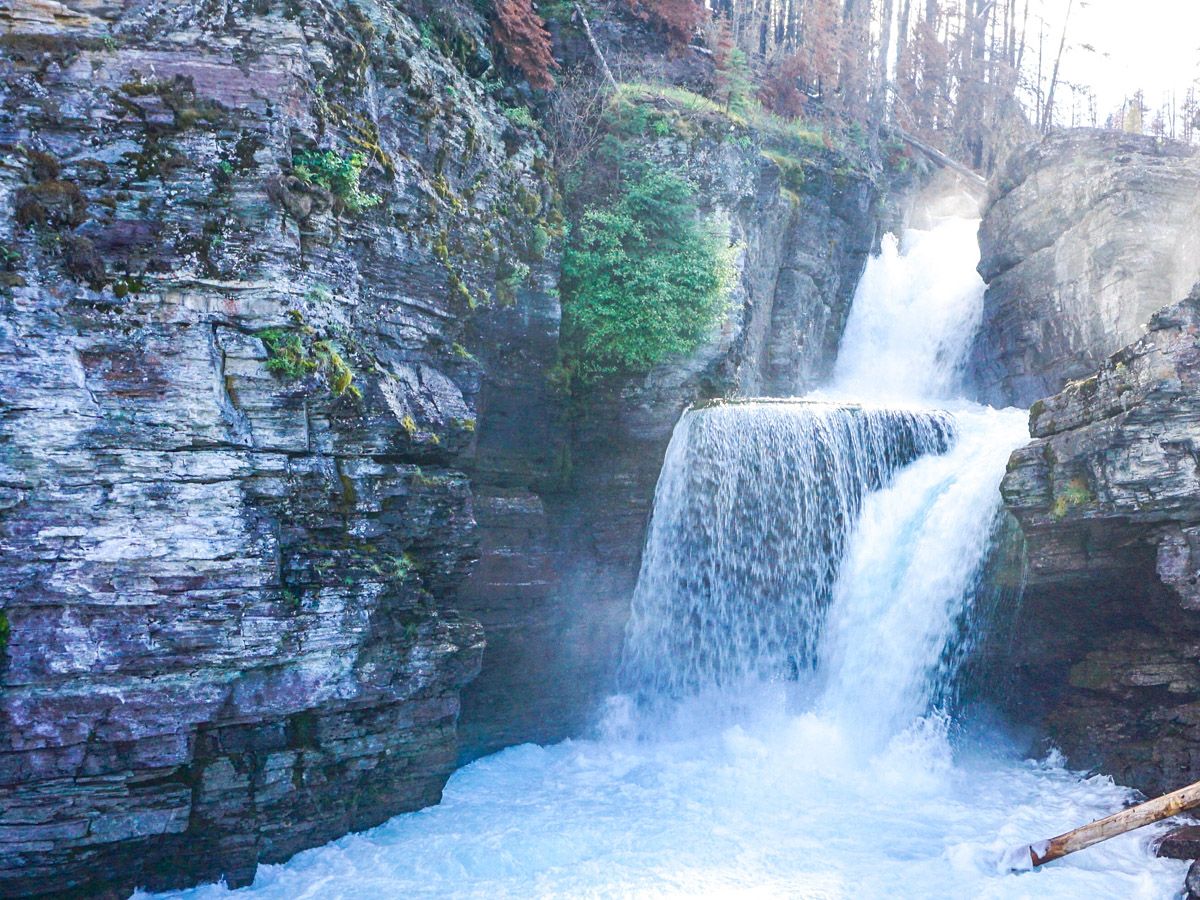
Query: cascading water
(807, 582)
(751, 517)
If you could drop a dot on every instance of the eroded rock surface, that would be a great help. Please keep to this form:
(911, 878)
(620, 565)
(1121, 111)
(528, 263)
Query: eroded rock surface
(236, 416)
(1085, 236)
(1107, 641)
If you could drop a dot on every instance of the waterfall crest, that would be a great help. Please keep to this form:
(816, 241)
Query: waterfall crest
(751, 516)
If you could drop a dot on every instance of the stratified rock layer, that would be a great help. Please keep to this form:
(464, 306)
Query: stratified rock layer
(1085, 236)
(235, 423)
(1107, 642)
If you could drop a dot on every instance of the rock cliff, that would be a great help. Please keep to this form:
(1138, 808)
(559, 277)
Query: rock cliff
(238, 411)
(1107, 640)
(282, 445)
(1085, 236)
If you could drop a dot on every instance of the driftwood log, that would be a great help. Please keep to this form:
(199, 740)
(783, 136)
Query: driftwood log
(1109, 827)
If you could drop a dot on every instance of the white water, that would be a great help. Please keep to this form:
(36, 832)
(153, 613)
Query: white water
(807, 757)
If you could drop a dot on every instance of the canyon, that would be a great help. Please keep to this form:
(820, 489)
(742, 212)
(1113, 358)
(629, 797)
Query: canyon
(296, 513)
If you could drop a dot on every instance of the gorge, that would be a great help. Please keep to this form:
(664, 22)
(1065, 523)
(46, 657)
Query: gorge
(311, 533)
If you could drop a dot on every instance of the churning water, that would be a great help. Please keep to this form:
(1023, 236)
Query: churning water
(786, 724)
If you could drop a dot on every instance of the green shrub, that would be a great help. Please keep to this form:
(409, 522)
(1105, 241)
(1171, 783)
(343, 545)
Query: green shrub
(294, 354)
(520, 116)
(642, 280)
(338, 174)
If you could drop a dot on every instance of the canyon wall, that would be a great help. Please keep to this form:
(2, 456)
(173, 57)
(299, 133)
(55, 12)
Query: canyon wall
(1086, 235)
(1089, 245)
(284, 445)
(238, 413)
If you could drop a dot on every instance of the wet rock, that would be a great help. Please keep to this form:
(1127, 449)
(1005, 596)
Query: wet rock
(1106, 645)
(1180, 843)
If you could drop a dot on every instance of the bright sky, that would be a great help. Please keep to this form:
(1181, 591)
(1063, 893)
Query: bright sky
(1151, 44)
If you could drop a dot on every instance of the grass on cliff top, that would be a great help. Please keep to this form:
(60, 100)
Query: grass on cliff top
(639, 109)
(747, 113)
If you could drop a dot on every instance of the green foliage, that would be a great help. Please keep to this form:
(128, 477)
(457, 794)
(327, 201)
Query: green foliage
(337, 173)
(1076, 493)
(642, 281)
(520, 116)
(294, 354)
(791, 170)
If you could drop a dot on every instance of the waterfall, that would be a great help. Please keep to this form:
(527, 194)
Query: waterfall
(834, 536)
(805, 597)
(751, 517)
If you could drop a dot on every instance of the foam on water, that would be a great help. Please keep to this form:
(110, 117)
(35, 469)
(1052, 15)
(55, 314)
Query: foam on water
(806, 595)
(780, 805)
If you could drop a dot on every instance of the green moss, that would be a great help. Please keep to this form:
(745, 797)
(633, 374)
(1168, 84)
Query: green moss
(337, 173)
(1075, 493)
(409, 424)
(293, 354)
(5, 633)
(791, 170)
(520, 116)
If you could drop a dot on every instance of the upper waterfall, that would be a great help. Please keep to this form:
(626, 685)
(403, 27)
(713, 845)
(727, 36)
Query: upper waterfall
(915, 312)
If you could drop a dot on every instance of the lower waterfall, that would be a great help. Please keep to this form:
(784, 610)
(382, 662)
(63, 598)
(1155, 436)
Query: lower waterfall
(786, 724)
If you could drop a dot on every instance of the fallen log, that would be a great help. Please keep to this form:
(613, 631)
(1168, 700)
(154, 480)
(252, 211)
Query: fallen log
(1118, 823)
(942, 159)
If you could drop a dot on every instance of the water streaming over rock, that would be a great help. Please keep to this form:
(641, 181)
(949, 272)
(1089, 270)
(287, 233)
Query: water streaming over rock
(751, 516)
(805, 599)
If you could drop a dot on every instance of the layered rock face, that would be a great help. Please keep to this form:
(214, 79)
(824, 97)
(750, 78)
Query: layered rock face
(282, 440)
(236, 413)
(1086, 235)
(1107, 641)
(557, 571)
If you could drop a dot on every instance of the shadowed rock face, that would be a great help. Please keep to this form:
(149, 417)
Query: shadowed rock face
(227, 628)
(1107, 642)
(1086, 235)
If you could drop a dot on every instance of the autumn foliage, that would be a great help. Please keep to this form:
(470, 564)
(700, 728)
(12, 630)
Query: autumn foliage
(677, 19)
(522, 34)
(781, 87)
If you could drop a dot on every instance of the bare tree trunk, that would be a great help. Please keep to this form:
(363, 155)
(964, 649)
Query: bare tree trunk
(591, 39)
(885, 49)
(1048, 123)
(1127, 820)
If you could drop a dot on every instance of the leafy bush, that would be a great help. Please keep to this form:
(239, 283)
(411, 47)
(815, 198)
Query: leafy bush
(337, 174)
(292, 355)
(642, 281)
(519, 116)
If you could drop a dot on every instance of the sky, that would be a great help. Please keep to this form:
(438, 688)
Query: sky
(1151, 44)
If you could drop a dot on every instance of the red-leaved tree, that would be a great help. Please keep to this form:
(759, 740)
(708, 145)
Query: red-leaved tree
(678, 19)
(781, 91)
(522, 34)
